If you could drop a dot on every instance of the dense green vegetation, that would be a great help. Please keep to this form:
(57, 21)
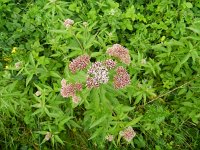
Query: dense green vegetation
(161, 103)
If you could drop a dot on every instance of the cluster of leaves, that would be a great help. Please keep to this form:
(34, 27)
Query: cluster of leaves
(161, 103)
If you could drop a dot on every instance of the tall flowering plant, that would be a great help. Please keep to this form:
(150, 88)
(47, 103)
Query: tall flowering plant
(102, 92)
(98, 72)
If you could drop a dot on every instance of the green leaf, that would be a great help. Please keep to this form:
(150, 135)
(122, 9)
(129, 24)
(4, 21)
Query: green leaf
(96, 133)
(57, 138)
(182, 91)
(37, 112)
(133, 122)
(89, 42)
(185, 59)
(74, 124)
(188, 5)
(138, 99)
(64, 121)
(194, 29)
(98, 121)
(188, 104)
(73, 53)
(28, 79)
(54, 74)
(31, 59)
(95, 54)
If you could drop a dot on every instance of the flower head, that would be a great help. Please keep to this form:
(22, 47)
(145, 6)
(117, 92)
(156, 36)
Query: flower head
(109, 137)
(63, 82)
(47, 136)
(143, 61)
(75, 99)
(69, 90)
(128, 134)
(92, 82)
(78, 86)
(68, 22)
(85, 24)
(18, 65)
(79, 63)
(98, 74)
(119, 52)
(122, 78)
(109, 63)
(38, 93)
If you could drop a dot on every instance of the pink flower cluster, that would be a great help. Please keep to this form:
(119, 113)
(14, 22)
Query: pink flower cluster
(109, 137)
(119, 52)
(122, 78)
(68, 22)
(79, 63)
(69, 90)
(128, 134)
(98, 74)
(110, 64)
(75, 99)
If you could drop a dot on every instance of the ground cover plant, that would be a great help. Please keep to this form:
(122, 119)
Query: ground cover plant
(99, 74)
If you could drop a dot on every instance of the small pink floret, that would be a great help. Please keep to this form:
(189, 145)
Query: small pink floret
(119, 52)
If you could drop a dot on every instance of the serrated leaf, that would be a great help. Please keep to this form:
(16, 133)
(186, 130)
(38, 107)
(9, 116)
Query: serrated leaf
(126, 108)
(96, 133)
(188, 5)
(31, 59)
(74, 124)
(61, 123)
(54, 74)
(188, 104)
(185, 58)
(90, 42)
(98, 121)
(182, 91)
(95, 54)
(138, 99)
(133, 122)
(196, 30)
(193, 37)
(57, 138)
(37, 112)
(28, 79)
(74, 53)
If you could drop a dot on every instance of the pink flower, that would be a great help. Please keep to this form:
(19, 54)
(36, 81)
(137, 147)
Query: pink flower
(67, 90)
(122, 78)
(110, 64)
(68, 22)
(63, 82)
(79, 63)
(78, 86)
(91, 82)
(128, 134)
(75, 99)
(98, 74)
(119, 52)
(109, 137)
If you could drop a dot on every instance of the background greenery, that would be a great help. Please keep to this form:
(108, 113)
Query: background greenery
(162, 103)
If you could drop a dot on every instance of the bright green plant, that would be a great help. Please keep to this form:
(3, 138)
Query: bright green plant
(161, 102)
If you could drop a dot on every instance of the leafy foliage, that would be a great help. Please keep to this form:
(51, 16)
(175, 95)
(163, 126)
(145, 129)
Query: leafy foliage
(161, 103)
